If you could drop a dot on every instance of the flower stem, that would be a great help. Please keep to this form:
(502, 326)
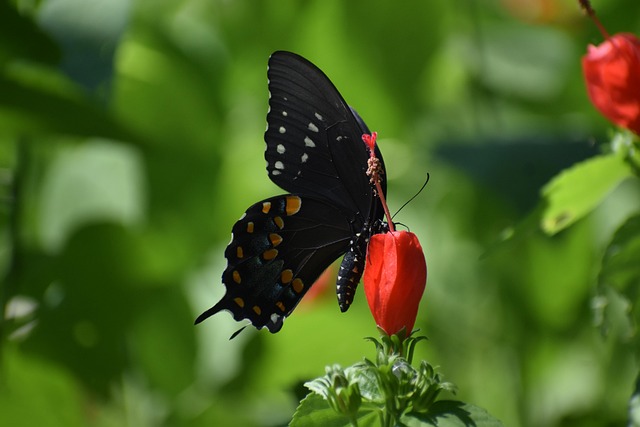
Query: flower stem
(586, 6)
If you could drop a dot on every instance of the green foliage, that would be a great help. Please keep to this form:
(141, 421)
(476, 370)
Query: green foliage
(574, 193)
(387, 392)
(131, 140)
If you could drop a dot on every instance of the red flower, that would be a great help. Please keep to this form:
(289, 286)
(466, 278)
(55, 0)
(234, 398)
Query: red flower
(612, 74)
(395, 276)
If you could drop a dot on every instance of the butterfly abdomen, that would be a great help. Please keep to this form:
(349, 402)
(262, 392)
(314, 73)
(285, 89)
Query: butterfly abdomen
(349, 275)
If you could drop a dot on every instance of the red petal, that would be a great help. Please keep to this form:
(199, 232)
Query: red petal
(395, 276)
(612, 74)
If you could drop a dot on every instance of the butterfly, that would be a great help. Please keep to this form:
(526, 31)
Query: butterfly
(281, 245)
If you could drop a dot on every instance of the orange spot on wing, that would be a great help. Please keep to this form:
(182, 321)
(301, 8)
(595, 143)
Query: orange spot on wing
(279, 222)
(286, 276)
(236, 276)
(298, 285)
(270, 254)
(275, 239)
(293, 205)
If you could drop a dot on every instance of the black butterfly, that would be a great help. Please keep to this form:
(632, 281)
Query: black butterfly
(281, 245)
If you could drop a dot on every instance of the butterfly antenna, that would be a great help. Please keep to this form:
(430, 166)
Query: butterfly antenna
(413, 197)
(235, 334)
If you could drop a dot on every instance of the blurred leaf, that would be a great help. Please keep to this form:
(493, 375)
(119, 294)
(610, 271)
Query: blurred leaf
(88, 33)
(634, 406)
(516, 169)
(97, 181)
(36, 392)
(578, 190)
(40, 101)
(163, 340)
(21, 38)
(85, 315)
(516, 59)
(617, 307)
(620, 267)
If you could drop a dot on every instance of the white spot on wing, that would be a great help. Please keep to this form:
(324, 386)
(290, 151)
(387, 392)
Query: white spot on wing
(304, 157)
(275, 172)
(275, 318)
(280, 149)
(308, 142)
(284, 113)
(318, 116)
(282, 129)
(312, 127)
(279, 165)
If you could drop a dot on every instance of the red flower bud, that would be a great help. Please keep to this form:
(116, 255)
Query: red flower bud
(395, 276)
(612, 74)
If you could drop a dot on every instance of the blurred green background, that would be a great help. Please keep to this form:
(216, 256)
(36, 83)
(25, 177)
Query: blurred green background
(131, 141)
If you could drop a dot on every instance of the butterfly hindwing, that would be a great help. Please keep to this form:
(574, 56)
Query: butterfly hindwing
(278, 249)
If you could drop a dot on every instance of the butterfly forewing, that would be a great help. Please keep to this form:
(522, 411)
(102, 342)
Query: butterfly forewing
(314, 143)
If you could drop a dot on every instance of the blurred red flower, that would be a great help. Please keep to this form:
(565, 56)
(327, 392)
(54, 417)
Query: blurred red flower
(395, 276)
(612, 73)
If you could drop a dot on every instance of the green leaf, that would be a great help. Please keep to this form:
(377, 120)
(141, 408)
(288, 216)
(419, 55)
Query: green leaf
(38, 101)
(367, 381)
(36, 391)
(619, 279)
(578, 190)
(95, 181)
(451, 413)
(315, 411)
(620, 267)
(21, 38)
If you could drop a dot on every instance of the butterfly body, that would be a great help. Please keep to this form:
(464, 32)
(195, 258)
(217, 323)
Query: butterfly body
(281, 245)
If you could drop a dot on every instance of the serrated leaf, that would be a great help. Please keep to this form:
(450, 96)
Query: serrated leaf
(451, 413)
(318, 386)
(314, 411)
(367, 381)
(578, 190)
